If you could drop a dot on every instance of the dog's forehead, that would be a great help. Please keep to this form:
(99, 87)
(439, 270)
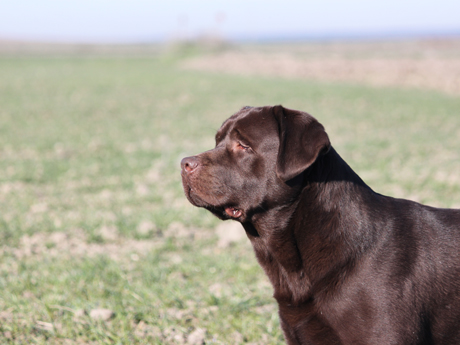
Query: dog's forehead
(253, 122)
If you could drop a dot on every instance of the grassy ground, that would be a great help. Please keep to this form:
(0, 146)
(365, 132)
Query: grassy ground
(92, 214)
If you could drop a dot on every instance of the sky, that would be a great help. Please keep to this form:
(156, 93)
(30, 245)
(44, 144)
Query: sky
(142, 21)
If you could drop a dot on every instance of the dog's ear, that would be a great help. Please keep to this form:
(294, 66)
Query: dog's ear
(302, 140)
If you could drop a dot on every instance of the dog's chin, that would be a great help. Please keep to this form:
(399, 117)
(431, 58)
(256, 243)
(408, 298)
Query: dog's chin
(194, 199)
(193, 196)
(222, 212)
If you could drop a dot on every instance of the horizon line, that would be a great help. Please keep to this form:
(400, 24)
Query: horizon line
(254, 38)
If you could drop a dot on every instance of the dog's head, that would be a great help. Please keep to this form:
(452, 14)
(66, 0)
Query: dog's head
(259, 155)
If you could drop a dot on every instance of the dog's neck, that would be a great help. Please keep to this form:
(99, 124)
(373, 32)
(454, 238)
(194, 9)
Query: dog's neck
(329, 168)
(330, 190)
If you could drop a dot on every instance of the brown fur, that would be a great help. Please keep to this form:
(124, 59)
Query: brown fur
(348, 265)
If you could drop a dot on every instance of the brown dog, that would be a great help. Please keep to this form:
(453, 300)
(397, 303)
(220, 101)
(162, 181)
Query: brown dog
(348, 265)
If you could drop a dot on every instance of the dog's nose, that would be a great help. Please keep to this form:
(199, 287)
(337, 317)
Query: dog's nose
(188, 164)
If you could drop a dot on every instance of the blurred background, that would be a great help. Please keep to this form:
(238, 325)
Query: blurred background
(140, 21)
(99, 102)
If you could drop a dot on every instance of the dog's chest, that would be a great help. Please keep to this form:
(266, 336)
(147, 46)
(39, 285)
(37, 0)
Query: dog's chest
(287, 277)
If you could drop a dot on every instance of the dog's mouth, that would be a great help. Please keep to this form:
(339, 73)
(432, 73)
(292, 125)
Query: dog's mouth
(233, 212)
(225, 212)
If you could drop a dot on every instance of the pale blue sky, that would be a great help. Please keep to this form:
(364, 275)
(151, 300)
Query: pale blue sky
(144, 21)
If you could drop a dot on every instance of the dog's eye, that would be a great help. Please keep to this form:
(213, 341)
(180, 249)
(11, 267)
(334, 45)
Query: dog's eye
(242, 146)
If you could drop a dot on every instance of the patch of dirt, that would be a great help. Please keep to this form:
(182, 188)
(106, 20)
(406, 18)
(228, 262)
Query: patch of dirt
(76, 243)
(440, 73)
(174, 335)
(229, 233)
(62, 244)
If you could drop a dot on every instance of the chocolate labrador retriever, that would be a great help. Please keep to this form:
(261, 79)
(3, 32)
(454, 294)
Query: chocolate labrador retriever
(348, 265)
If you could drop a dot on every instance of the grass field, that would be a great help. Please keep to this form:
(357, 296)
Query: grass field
(92, 214)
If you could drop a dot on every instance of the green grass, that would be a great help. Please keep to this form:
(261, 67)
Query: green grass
(92, 146)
